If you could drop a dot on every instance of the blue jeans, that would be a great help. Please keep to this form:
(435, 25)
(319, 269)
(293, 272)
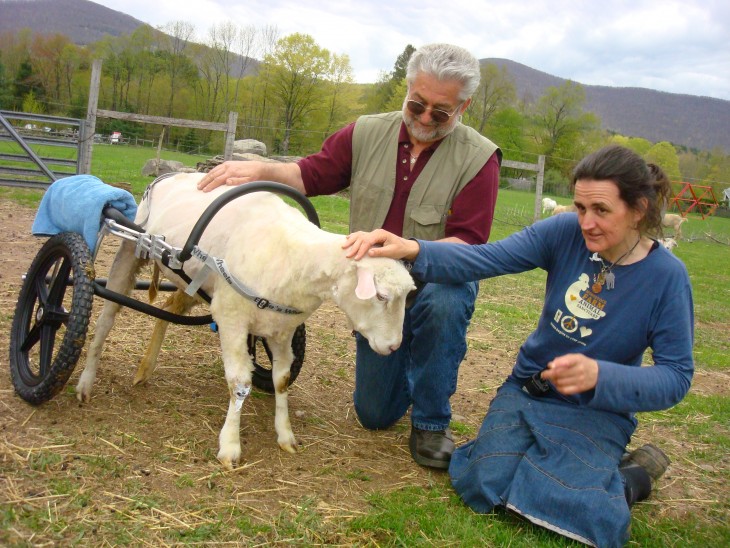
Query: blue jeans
(423, 371)
(553, 462)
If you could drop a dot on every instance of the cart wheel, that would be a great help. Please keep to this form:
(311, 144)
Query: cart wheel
(50, 323)
(262, 375)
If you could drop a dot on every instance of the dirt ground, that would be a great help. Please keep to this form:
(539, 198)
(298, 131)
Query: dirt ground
(162, 437)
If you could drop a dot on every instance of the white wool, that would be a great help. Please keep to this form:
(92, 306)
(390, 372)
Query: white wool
(273, 250)
(548, 204)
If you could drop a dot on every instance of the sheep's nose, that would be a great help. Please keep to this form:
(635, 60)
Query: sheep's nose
(394, 347)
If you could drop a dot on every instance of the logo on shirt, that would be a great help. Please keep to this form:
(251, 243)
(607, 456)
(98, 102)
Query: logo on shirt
(581, 304)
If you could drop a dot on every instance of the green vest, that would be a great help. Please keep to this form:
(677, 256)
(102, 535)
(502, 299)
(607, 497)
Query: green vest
(454, 163)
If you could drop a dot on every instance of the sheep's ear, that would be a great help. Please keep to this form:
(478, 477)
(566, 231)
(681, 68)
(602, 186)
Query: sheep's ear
(365, 283)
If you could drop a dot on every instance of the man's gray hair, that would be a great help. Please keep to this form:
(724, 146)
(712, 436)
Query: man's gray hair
(446, 62)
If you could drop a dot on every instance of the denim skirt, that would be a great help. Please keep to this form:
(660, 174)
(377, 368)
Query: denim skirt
(551, 461)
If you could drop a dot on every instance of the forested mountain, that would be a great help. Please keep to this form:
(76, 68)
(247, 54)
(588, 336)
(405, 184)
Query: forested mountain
(691, 121)
(82, 21)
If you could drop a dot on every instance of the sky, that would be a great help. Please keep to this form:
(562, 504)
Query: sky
(666, 45)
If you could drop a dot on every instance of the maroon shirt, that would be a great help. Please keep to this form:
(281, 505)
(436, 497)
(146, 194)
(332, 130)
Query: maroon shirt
(470, 218)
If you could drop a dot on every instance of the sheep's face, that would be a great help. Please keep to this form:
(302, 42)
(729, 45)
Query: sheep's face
(373, 296)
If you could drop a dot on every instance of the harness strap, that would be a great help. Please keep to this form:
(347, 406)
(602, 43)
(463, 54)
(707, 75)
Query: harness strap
(219, 265)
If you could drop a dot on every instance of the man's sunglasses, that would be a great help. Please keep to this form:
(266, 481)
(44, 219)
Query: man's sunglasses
(437, 115)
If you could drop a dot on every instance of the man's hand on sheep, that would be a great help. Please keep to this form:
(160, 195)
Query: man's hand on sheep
(380, 243)
(572, 373)
(233, 173)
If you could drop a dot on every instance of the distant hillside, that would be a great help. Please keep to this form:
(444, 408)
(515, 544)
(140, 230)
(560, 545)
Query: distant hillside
(697, 122)
(82, 21)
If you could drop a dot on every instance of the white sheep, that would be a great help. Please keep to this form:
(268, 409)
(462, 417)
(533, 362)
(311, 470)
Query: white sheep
(669, 243)
(557, 210)
(548, 204)
(675, 222)
(277, 253)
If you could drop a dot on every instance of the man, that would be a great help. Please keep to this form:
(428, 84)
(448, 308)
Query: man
(418, 173)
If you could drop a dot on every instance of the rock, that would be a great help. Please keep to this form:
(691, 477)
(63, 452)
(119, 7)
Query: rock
(250, 156)
(166, 166)
(249, 146)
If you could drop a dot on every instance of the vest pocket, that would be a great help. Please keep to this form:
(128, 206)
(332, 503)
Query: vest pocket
(427, 215)
(428, 222)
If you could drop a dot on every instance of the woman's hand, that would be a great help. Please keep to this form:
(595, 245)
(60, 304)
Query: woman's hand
(380, 243)
(572, 373)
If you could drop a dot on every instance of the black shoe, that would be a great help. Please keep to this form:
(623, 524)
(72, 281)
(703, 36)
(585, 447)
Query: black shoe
(650, 458)
(431, 448)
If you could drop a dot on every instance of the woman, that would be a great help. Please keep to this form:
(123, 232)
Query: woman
(552, 442)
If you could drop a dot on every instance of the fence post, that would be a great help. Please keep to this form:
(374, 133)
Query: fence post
(90, 123)
(538, 187)
(230, 135)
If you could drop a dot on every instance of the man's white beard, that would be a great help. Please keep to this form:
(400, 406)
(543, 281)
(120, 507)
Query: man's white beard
(433, 133)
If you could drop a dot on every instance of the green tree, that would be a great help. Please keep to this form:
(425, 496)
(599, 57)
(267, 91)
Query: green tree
(297, 67)
(496, 91)
(559, 123)
(398, 96)
(401, 64)
(50, 66)
(638, 144)
(148, 64)
(260, 118)
(26, 82)
(31, 104)
(665, 156)
(388, 90)
(6, 92)
(177, 36)
(507, 129)
(339, 94)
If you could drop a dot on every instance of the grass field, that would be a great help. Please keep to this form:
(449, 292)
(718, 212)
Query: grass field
(507, 308)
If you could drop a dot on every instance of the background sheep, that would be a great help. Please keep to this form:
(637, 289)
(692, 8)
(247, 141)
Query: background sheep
(563, 209)
(275, 251)
(675, 222)
(669, 243)
(548, 204)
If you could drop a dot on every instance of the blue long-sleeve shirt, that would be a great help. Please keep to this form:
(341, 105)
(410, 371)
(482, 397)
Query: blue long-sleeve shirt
(650, 306)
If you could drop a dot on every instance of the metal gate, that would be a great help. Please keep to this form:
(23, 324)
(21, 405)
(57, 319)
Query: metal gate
(29, 169)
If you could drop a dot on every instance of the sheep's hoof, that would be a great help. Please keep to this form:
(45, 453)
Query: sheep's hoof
(83, 394)
(143, 374)
(229, 463)
(140, 378)
(289, 444)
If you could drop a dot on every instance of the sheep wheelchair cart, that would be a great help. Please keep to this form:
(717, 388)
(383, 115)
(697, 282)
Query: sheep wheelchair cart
(53, 310)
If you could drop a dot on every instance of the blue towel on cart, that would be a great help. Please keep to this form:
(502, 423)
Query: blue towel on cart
(75, 203)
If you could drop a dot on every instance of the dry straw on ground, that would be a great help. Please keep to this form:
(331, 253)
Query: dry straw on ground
(138, 463)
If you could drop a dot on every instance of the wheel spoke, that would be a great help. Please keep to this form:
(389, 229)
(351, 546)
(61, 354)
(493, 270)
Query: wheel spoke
(41, 290)
(31, 338)
(59, 282)
(48, 339)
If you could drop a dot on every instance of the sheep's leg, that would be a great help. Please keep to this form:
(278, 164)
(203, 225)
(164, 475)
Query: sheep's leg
(282, 358)
(121, 280)
(177, 303)
(238, 367)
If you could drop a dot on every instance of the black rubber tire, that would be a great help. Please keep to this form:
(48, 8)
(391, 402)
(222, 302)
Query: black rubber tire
(51, 317)
(262, 375)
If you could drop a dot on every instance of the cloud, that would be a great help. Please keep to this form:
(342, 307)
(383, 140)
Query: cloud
(669, 45)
